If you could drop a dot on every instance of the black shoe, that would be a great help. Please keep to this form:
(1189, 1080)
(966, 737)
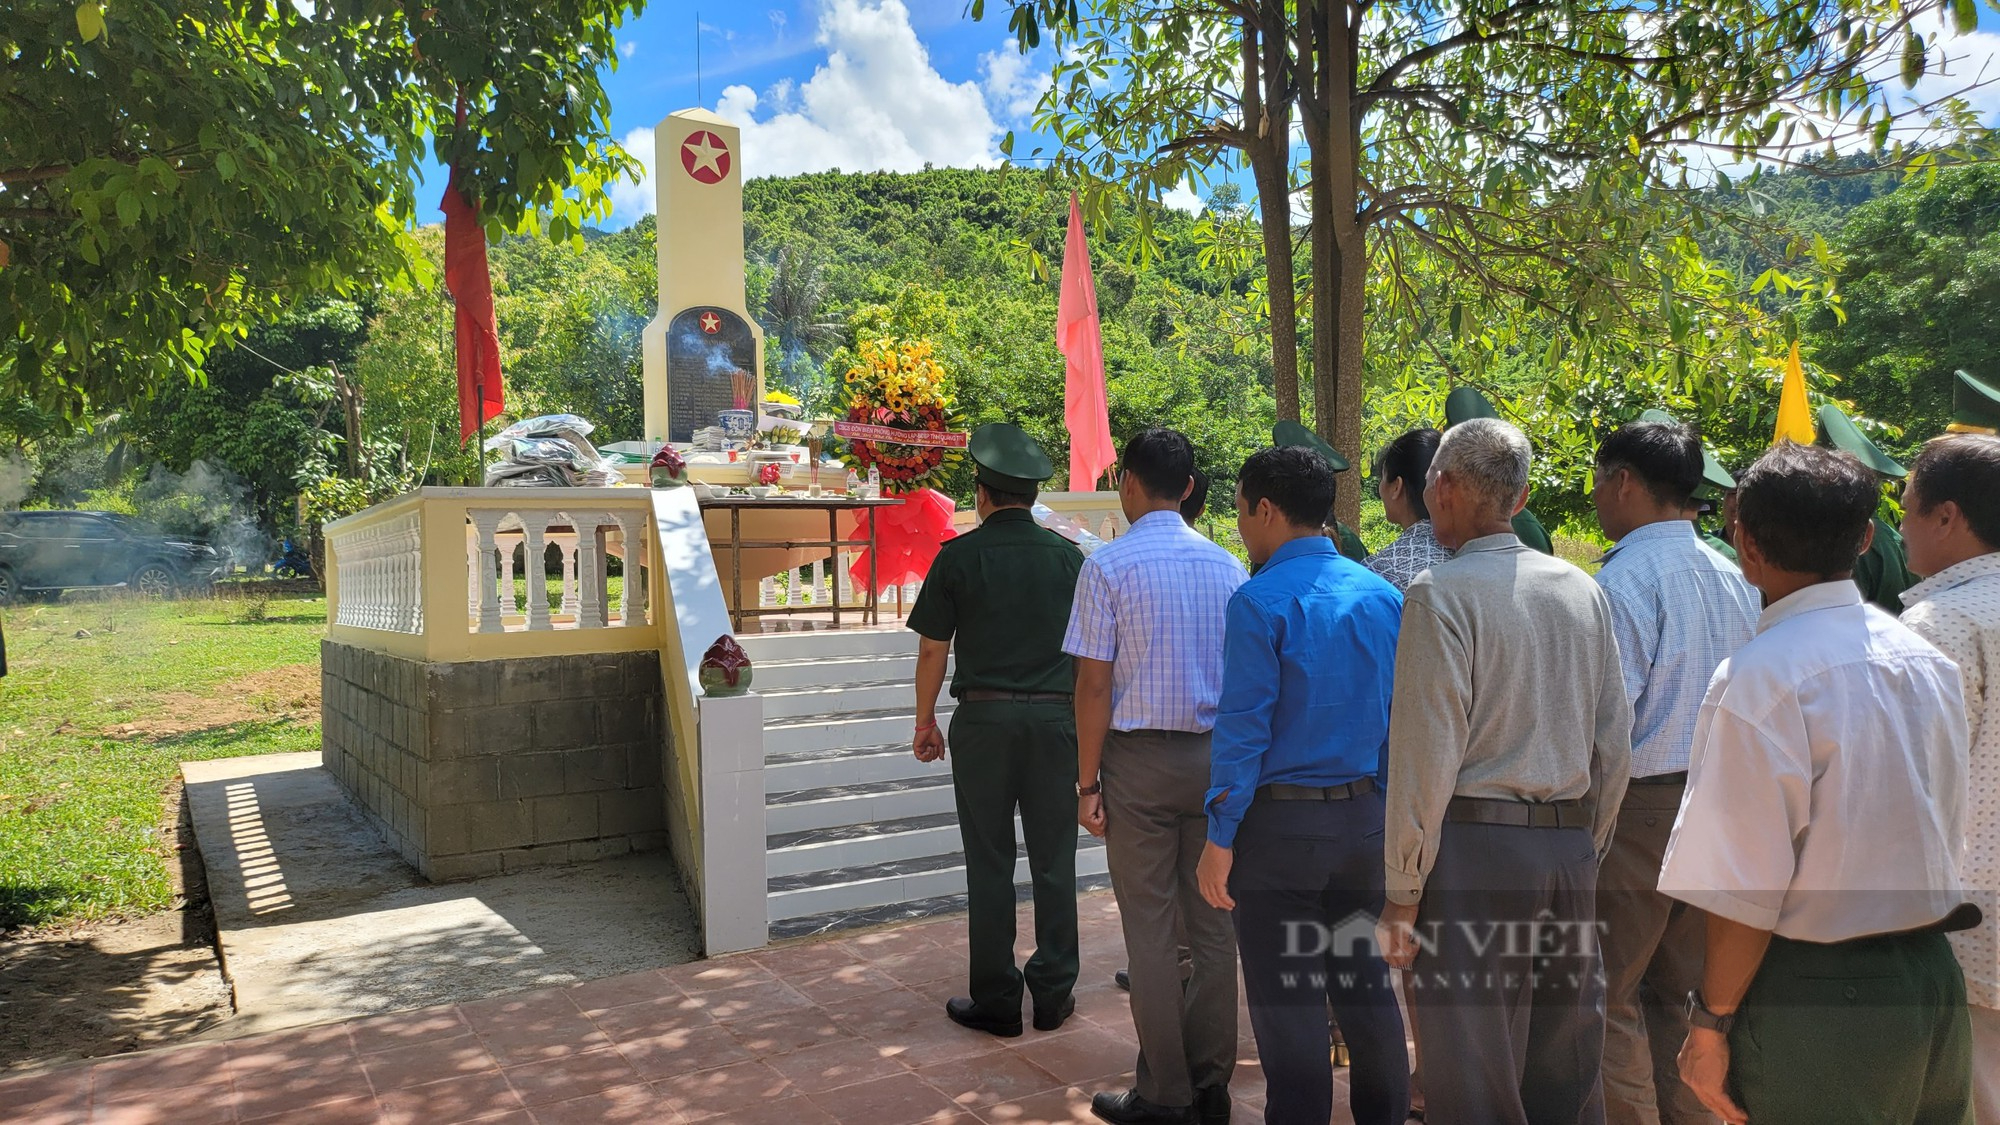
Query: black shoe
(1122, 979)
(1129, 1108)
(965, 1013)
(1211, 1105)
(1050, 1021)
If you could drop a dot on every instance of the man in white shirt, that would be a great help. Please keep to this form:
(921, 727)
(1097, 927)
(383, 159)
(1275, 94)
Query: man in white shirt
(1679, 610)
(1146, 632)
(1951, 525)
(1821, 833)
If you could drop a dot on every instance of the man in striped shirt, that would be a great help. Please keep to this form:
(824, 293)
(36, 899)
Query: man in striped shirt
(1679, 610)
(1146, 632)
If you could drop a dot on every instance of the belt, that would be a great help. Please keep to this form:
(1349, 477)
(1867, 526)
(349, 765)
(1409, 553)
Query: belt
(1678, 777)
(1517, 814)
(1352, 789)
(1015, 697)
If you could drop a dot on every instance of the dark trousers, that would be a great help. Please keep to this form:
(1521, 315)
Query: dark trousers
(1154, 829)
(1007, 757)
(1866, 1032)
(1307, 880)
(1653, 953)
(1509, 982)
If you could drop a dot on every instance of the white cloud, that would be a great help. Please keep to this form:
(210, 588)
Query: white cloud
(1014, 81)
(876, 103)
(629, 200)
(1183, 198)
(628, 48)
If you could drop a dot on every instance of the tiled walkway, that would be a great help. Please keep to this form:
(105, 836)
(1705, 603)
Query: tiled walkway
(848, 1030)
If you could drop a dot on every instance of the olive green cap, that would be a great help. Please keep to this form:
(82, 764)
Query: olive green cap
(1975, 406)
(1715, 480)
(1285, 435)
(1007, 458)
(1839, 431)
(1464, 404)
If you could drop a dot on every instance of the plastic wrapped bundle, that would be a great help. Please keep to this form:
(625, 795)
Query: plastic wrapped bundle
(549, 451)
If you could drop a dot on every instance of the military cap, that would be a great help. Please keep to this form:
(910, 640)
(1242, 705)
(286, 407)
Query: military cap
(1839, 431)
(1464, 404)
(1007, 458)
(1285, 435)
(1715, 480)
(1975, 406)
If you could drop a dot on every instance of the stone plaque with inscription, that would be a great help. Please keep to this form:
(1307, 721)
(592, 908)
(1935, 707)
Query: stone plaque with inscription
(711, 367)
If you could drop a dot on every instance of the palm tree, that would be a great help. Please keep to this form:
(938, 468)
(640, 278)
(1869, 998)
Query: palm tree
(792, 312)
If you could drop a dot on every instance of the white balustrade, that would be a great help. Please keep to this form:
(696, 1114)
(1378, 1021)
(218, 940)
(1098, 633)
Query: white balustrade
(379, 563)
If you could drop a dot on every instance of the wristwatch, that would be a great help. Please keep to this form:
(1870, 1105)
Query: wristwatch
(1090, 790)
(1699, 1016)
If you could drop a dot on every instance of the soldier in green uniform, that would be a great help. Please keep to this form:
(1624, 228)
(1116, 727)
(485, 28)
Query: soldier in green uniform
(1883, 570)
(1003, 593)
(1716, 482)
(1465, 403)
(1284, 435)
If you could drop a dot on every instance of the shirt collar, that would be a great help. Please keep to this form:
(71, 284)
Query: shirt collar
(1009, 515)
(1160, 517)
(1954, 576)
(1838, 594)
(1659, 531)
(1300, 548)
(1500, 542)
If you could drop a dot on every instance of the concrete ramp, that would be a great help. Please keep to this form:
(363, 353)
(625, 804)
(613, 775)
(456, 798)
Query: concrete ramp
(319, 920)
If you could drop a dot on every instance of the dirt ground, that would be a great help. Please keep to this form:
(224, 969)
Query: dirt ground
(288, 692)
(111, 987)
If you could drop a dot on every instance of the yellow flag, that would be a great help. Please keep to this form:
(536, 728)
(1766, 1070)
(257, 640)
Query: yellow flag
(1794, 416)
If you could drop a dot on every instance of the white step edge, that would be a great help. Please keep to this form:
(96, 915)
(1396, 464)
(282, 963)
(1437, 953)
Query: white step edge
(819, 773)
(863, 894)
(794, 703)
(875, 730)
(835, 812)
(822, 643)
(825, 855)
(793, 675)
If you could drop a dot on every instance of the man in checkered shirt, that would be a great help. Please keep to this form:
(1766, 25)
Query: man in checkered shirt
(1146, 632)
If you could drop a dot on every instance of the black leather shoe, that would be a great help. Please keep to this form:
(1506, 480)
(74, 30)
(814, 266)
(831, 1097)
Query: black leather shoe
(1122, 979)
(1129, 1108)
(965, 1013)
(1046, 1020)
(1211, 1105)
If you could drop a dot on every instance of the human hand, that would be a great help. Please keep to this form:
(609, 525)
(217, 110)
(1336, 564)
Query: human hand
(1396, 933)
(928, 744)
(1090, 813)
(1212, 875)
(1705, 1068)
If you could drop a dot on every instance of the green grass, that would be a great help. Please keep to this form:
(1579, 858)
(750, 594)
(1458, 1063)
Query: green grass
(81, 802)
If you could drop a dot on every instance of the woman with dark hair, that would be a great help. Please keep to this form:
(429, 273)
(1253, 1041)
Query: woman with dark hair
(1399, 481)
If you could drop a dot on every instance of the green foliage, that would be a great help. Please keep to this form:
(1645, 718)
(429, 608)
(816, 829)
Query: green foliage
(1922, 282)
(177, 173)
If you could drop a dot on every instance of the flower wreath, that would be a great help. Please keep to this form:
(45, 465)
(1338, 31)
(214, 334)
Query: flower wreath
(899, 384)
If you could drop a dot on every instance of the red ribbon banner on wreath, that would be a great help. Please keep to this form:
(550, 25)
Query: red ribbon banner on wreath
(909, 538)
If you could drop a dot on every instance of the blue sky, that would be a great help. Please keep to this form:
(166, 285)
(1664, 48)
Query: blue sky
(891, 84)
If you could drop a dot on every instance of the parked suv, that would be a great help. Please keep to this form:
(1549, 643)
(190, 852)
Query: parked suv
(45, 553)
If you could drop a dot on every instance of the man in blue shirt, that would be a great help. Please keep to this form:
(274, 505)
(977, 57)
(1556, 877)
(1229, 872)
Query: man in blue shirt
(1295, 802)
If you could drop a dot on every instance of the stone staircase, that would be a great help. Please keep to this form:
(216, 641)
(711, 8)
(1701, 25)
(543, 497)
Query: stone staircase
(859, 831)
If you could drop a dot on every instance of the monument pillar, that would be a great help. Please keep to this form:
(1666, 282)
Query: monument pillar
(703, 352)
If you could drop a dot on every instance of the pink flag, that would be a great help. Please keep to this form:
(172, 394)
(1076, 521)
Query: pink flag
(1084, 407)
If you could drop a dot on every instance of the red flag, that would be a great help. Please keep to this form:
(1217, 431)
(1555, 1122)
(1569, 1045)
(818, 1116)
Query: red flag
(471, 285)
(1084, 408)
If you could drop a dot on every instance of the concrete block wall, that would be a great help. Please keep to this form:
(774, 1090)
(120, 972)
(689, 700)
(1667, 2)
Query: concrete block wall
(481, 767)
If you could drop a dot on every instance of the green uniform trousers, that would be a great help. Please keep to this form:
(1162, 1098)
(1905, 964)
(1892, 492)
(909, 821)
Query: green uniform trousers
(1866, 1032)
(1007, 757)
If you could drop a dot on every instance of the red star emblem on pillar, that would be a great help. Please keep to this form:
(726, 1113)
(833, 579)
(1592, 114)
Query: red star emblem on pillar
(705, 157)
(711, 323)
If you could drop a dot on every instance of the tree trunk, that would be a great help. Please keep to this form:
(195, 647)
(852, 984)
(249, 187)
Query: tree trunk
(1267, 119)
(1340, 252)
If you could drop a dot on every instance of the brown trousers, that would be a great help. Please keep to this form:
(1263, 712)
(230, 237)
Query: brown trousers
(1653, 951)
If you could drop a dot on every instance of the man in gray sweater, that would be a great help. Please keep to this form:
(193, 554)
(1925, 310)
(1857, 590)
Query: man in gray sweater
(1509, 750)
